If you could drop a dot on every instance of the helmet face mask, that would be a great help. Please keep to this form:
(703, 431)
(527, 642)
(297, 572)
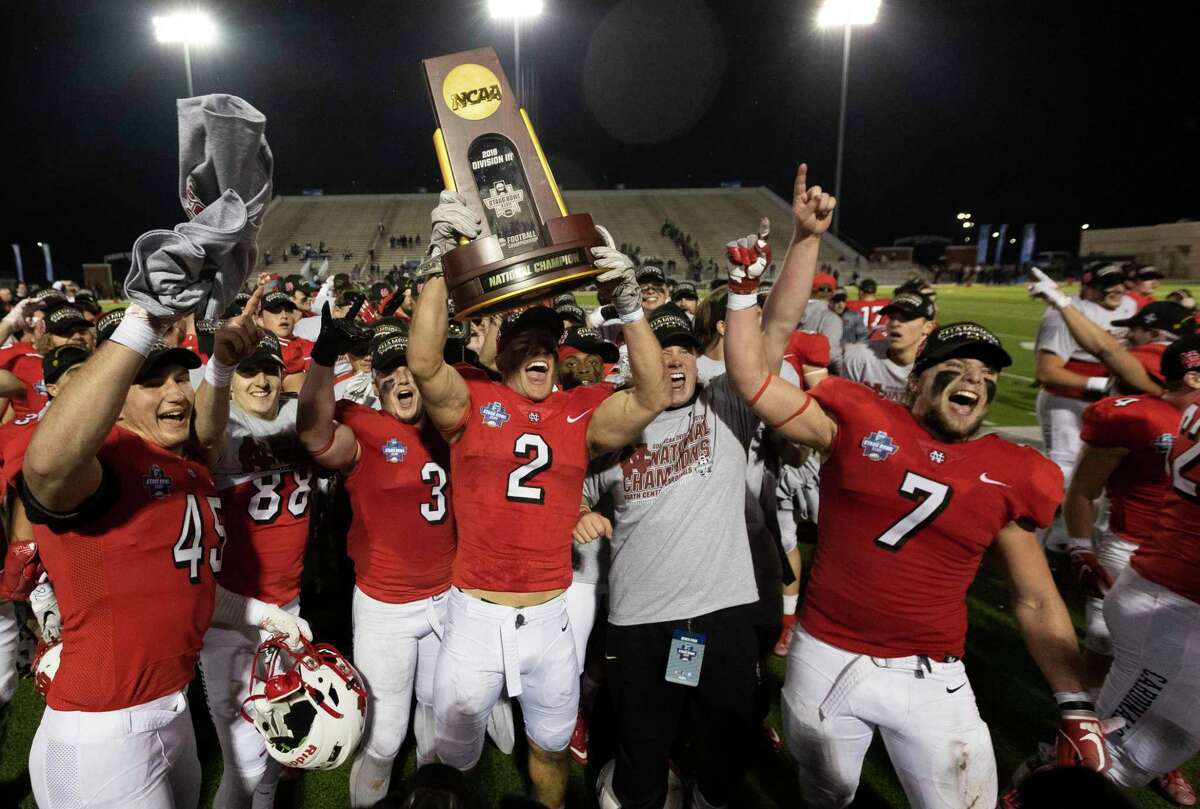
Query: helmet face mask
(309, 705)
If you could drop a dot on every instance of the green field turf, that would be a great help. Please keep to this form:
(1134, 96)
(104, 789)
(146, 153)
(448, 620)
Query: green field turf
(1012, 697)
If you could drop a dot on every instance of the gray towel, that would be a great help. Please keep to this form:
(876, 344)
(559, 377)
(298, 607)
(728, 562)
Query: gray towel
(225, 170)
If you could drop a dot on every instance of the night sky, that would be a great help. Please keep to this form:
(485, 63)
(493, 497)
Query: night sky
(1049, 112)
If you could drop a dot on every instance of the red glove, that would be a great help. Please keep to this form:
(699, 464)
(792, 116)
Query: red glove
(1080, 741)
(746, 262)
(22, 569)
(1094, 580)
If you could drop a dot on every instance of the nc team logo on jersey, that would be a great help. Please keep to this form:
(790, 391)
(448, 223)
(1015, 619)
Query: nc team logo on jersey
(157, 482)
(535, 417)
(394, 450)
(937, 456)
(494, 414)
(878, 446)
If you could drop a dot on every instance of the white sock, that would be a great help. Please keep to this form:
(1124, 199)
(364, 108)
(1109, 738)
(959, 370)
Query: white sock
(790, 602)
(370, 778)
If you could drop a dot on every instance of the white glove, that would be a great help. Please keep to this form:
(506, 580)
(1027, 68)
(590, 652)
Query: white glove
(44, 605)
(1047, 288)
(619, 280)
(451, 219)
(18, 318)
(278, 622)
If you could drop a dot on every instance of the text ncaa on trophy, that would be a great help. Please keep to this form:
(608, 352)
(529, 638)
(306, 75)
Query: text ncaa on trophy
(530, 248)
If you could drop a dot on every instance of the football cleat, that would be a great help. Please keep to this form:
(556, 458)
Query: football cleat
(1175, 787)
(785, 640)
(579, 740)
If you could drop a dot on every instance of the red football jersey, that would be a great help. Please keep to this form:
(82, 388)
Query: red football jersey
(10, 352)
(135, 585)
(401, 534)
(905, 520)
(265, 480)
(28, 369)
(1171, 555)
(297, 354)
(1150, 356)
(1145, 425)
(519, 468)
(806, 348)
(192, 344)
(870, 313)
(14, 440)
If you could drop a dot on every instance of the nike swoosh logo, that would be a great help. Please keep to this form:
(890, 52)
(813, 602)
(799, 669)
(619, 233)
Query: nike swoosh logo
(573, 419)
(983, 476)
(609, 657)
(955, 688)
(1099, 743)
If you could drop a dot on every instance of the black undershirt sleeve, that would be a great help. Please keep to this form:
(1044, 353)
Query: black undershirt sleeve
(95, 506)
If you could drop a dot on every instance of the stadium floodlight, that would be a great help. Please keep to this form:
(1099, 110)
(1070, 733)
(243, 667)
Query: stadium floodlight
(968, 225)
(846, 14)
(964, 215)
(995, 234)
(186, 28)
(1084, 226)
(514, 9)
(837, 13)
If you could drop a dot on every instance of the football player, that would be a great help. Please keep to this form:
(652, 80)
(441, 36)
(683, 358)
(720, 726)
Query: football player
(910, 501)
(264, 479)
(128, 525)
(521, 448)
(280, 314)
(395, 469)
(885, 365)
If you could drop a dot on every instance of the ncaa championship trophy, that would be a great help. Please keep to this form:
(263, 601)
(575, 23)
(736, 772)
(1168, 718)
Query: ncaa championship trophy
(530, 248)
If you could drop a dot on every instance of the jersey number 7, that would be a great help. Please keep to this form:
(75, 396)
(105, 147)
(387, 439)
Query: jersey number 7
(931, 498)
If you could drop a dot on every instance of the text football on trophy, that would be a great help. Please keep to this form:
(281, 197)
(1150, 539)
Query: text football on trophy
(530, 248)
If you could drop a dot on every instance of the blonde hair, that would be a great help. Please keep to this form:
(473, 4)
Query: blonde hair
(710, 312)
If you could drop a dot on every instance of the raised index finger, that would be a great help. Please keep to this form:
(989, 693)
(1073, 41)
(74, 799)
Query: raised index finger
(801, 179)
(1038, 274)
(251, 307)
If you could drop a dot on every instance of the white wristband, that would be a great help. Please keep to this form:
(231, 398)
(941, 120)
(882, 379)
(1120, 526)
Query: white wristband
(595, 319)
(737, 302)
(1098, 384)
(135, 331)
(634, 316)
(217, 374)
(1071, 696)
(1079, 544)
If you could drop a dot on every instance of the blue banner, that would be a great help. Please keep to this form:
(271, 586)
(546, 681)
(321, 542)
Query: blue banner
(981, 251)
(20, 267)
(49, 263)
(1000, 245)
(1028, 243)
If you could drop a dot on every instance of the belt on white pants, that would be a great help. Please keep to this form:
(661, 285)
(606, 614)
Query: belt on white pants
(510, 619)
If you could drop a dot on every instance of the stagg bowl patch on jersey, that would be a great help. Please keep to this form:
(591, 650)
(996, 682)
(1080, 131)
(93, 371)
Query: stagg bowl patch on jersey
(878, 446)
(157, 482)
(494, 414)
(394, 450)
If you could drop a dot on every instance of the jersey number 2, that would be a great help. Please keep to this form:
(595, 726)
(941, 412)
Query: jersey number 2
(535, 448)
(931, 498)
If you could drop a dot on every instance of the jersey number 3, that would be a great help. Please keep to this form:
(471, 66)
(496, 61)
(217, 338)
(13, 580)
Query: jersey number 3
(931, 498)
(535, 448)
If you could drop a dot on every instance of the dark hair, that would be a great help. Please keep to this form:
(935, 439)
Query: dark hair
(710, 312)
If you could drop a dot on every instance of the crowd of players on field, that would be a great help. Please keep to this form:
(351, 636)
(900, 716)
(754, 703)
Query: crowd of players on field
(551, 503)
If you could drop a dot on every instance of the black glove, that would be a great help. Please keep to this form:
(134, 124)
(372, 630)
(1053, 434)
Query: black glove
(338, 335)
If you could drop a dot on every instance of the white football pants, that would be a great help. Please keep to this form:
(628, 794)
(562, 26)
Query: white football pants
(395, 651)
(225, 661)
(488, 646)
(833, 701)
(582, 601)
(142, 757)
(1061, 420)
(1154, 682)
(1113, 553)
(10, 634)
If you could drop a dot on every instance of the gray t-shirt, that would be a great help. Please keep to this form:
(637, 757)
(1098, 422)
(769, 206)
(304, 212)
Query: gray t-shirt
(680, 547)
(819, 318)
(1054, 336)
(868, 363)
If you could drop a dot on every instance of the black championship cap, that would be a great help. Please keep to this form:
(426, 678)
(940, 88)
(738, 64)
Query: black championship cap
(1164, 315)
(268, 350)
(839, 294)
(1145, 273)
(867, 285)
(1107, 276)
(64, 320)
(535, 318)
(909, 305)
(388, 351)
(107, 324)
(50, 297)
(58, 360)
(1181, 356)
(671, 326)
(236, 306)
(86, 301)
(558, 300)
(588, 341)
(963, 340)
(277, 302)
(650, 274)
(162, 355)
(388, 325)
(685, 289)
(572, 312)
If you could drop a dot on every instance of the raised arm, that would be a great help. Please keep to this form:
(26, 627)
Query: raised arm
(60, 467)
(1093, 469)
(331, 445)
(620, 419)
(233, 341)
(812, 210)
(17, 320)
(1092, 339)
(443, 390)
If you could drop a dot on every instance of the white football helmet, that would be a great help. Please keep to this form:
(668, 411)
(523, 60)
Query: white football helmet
(309, 705)
(45, 665)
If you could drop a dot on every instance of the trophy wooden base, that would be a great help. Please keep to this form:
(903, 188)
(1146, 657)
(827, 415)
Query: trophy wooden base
(481, 281)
